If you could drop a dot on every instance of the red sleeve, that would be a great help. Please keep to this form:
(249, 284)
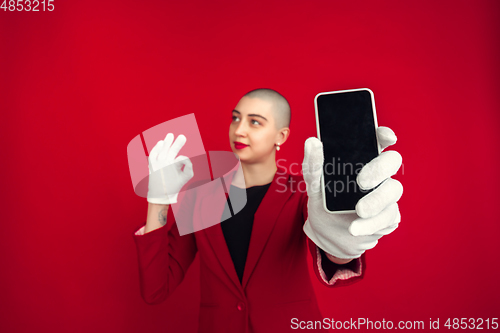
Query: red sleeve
(164, 258)
(329, 273)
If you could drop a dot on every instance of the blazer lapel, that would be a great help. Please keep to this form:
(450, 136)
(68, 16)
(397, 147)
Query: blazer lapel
(214, 206)
(264, 221)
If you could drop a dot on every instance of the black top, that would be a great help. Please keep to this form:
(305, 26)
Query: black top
(238, 228)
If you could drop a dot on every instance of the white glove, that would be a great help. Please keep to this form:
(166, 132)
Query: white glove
(348, 236)
(165, 175)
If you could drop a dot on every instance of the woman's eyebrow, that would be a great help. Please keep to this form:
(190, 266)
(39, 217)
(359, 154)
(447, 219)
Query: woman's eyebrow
(257, 115)
(251, 115)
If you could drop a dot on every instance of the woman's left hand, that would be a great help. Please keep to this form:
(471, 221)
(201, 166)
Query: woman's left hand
(349, 235)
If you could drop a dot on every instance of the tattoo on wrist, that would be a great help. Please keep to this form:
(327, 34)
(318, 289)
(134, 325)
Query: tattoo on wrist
(162, 216)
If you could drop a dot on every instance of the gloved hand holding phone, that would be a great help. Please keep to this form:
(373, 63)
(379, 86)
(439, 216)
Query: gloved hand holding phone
(349, 235)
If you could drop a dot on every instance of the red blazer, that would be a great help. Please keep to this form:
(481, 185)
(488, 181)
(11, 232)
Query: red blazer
(276, 285)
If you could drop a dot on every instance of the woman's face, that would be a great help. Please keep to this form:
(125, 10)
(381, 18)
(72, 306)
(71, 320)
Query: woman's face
(252, 133)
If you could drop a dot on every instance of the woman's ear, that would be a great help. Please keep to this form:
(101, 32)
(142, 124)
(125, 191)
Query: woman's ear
(283, 135)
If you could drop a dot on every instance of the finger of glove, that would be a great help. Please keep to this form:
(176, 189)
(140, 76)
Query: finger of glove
(391, 228)
(380, 168)
(153, 154)
(388, 193)
(373, 225)
(181, 160)
(387, 230)
(162, 156)
(356, 248)
(385, 137)
(312, 165)
(331, 234)
(176, 146)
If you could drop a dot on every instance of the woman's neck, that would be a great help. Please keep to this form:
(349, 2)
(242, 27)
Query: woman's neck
(255, 174)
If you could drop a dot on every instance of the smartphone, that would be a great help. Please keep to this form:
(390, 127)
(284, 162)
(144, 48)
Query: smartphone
(346, 122)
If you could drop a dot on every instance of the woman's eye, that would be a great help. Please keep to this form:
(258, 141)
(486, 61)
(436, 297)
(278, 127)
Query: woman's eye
(234, 118)
(254, 122)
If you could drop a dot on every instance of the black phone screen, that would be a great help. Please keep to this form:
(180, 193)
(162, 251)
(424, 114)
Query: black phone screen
(347, 128)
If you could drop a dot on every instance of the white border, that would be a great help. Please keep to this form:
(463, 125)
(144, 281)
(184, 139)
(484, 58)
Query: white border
(319, 137)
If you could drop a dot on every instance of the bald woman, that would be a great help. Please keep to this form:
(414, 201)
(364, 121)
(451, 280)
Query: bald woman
(253, 266)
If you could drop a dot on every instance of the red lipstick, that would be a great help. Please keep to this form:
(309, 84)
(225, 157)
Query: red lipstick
(239, 145)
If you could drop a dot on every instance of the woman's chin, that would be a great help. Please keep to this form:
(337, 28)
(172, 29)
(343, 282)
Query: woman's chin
(241, 156)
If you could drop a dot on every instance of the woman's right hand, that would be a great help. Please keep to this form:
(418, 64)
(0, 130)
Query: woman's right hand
(166, 177)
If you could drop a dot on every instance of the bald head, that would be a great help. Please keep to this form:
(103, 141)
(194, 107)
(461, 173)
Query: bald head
(281, 108)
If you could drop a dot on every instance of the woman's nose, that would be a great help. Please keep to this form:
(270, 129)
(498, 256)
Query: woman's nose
(240, 130)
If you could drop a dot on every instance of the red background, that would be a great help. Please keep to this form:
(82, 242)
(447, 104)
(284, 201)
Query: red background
(77, 84)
